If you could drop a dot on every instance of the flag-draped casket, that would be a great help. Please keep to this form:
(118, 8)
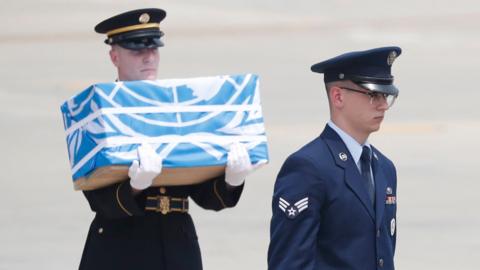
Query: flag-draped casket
(189, 122)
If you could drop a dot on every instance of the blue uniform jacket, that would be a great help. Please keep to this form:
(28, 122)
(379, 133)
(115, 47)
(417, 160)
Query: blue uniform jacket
(322, 215)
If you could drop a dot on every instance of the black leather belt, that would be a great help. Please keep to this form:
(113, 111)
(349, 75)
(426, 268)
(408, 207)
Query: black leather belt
(166, 204)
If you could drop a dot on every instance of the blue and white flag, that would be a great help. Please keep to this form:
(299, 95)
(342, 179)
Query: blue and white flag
(190, 122)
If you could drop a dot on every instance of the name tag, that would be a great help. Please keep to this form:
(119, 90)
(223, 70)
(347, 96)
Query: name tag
(391, 199)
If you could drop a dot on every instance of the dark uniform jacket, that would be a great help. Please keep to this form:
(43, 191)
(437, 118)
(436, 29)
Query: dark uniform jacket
(123, 235)
(322, 215)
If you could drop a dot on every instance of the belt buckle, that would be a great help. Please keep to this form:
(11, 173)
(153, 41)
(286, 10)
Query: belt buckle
(163, 204)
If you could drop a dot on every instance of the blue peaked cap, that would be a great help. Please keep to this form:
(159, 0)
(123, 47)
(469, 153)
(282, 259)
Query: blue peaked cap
(370, 69)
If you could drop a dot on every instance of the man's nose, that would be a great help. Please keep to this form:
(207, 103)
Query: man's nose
(149, 55)
(383, 104)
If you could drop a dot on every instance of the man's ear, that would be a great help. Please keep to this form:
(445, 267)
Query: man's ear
(114, 56)
(336, 96)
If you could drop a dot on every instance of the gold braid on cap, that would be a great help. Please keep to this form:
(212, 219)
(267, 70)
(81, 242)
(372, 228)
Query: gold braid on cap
(132, 27)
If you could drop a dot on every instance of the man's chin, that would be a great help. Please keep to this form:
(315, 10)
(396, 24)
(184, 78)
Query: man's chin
(375, 128)
(149, 75)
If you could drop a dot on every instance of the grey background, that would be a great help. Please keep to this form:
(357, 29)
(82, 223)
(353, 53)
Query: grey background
(49, 52)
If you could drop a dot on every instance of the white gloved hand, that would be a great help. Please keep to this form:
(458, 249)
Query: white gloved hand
(142, 173)
(239, 165)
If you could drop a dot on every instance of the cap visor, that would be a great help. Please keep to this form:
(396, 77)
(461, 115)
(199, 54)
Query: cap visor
(382, 88)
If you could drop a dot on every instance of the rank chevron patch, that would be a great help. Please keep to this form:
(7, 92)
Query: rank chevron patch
(292, 211)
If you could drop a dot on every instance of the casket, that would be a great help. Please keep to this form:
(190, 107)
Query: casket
(191, 124)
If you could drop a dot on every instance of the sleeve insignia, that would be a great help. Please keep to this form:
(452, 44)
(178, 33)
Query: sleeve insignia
(292, 211)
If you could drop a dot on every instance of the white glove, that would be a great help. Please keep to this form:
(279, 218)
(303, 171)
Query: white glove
(239, 165)
(142, 174)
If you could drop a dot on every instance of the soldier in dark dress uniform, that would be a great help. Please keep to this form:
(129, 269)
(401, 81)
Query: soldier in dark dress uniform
(137, 226)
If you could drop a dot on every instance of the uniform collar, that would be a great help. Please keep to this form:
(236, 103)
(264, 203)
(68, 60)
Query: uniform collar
(353, 146)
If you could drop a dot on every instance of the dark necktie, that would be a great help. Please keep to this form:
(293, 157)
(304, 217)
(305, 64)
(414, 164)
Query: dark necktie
(365, 161)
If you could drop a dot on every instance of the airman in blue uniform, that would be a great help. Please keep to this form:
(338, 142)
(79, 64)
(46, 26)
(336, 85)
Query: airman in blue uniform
(334, 202)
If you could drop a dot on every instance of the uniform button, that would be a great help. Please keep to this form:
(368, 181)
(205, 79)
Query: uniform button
(100, 230)
(163, 190)
(380, 262)
(378, 233)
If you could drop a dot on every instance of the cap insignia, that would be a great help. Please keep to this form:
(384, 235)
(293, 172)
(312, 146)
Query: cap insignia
(144, 18)
(391, 57)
